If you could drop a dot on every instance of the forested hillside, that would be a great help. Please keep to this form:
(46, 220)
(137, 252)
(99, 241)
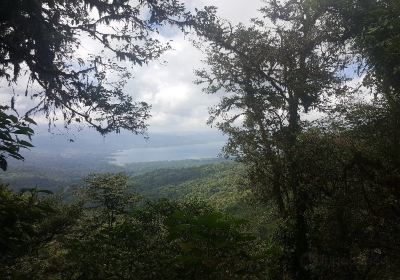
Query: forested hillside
(223, 186)
(54, 173)
(176, 183)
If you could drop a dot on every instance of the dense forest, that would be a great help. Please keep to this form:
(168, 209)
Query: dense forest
(309, 100)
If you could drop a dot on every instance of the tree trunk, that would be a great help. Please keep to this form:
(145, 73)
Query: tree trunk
(300, 257)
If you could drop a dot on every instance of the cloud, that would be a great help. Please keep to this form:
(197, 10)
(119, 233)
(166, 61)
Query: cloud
(177, 103)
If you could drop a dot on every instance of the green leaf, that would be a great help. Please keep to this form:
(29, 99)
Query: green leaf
(22, 131)
(29, 120)
(14, 119)
(25, 143)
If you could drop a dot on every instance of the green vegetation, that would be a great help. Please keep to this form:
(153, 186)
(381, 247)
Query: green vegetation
(55, 174)
(223, 186)
(105, 234)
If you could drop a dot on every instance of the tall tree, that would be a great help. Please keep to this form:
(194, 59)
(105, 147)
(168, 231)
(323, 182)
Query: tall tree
(43, 37)
(272, 73)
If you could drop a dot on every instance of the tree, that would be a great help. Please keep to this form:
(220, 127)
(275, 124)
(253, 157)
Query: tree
(42, 37)
(109, 193)
(270, 72)
(334, 181)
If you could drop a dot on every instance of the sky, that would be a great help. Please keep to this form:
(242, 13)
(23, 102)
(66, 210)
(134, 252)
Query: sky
(179, 107)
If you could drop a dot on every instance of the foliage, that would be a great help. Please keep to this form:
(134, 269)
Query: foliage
(107, 192)
(211, 245)
(12, 130)
(222, 186)
(171, 183)
(44, 38)
(154, 240)
(28, 223)
(157, 242)
(374, 26)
